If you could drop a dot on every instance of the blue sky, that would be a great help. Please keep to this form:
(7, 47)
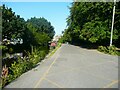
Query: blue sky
(55, 12)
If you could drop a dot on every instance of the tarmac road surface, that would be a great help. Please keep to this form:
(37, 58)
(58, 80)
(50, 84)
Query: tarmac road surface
(72, 67)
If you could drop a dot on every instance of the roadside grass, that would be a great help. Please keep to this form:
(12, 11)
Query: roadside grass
(54, 50)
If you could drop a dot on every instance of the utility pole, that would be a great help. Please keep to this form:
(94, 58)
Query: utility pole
(112, 23)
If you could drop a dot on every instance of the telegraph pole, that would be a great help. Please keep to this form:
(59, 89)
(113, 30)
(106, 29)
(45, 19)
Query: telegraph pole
(112, 23)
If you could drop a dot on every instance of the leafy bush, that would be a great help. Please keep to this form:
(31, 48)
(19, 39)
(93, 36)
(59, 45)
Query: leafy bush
(10, 50)
(42, 54)
(22, 65)
(2, 47)
(109, 49)
(102, 49)
(112, 50)
(18, 68)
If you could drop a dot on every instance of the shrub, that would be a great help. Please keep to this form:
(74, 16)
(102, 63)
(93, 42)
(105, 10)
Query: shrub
(102, 49)
(22, 65)
(2, 47)
(10, 50)
(112, 50)
(109, 49)
(42, 54)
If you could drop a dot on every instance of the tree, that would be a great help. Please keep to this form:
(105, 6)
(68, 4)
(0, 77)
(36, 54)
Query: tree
(42, 25)
(91, 22)
(36, 32)
(12, 25)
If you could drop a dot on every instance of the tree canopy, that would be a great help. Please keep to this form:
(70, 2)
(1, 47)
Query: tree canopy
(91, 22)
(12, 25)
(34, 32)
(42, 25)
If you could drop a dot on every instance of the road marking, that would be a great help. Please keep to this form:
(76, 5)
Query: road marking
(59, 86)
(47, 71)
(111, 84)
(40, 80)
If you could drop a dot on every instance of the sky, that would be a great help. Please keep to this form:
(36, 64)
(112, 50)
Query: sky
(54, 12)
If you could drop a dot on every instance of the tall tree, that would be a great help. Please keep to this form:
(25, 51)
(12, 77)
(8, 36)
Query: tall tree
(42, 25)
(92, 22)
(12, 25)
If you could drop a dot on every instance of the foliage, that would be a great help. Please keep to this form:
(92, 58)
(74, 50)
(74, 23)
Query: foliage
(10, 50)
(109, 49)
(42, 39)
(12, 25)
(42, 25)
(22, 65)
(2, 47)
(91, 22)
(35, 33)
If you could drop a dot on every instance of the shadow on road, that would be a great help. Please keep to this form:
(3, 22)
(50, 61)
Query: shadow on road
(86, 45)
